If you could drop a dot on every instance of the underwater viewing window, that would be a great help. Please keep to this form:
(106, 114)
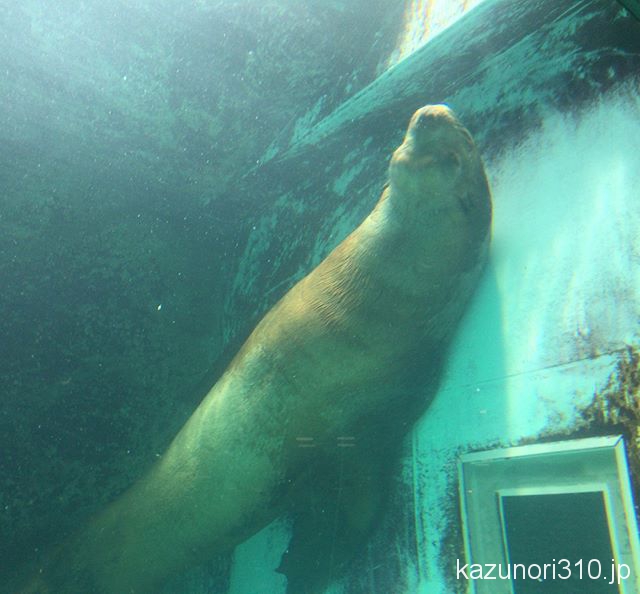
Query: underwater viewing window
(553, 518)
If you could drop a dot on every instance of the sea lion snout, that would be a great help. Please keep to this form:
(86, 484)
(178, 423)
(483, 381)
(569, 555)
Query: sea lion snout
(434, 126)
(432, 116)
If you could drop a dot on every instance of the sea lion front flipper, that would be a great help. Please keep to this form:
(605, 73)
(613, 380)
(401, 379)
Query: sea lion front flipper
(333, 517)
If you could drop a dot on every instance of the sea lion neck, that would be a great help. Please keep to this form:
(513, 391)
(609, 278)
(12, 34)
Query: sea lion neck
(406, 205)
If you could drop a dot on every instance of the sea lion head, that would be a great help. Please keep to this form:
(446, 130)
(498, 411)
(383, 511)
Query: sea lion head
(437, 168)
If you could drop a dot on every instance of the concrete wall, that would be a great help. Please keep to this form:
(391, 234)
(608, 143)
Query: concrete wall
(423, 20)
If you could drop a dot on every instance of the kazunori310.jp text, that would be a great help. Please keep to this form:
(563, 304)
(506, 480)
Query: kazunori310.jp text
(557, 569)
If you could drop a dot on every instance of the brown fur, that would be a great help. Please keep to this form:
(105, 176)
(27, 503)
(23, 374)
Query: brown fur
(337, 355)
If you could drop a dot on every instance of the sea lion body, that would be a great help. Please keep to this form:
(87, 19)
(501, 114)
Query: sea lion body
(335, 359)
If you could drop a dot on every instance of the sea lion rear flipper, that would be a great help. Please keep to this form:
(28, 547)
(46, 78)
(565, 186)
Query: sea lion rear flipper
(332, 518)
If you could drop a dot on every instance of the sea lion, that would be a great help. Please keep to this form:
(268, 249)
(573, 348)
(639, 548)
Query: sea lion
(318, 396)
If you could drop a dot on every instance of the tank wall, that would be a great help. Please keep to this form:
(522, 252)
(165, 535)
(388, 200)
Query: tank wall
(423, 20)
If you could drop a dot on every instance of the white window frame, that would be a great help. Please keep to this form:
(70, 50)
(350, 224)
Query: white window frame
(596, 464)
